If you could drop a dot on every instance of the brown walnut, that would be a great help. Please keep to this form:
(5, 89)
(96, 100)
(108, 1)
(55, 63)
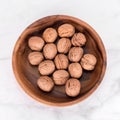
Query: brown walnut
(61, 61)
(46, 67)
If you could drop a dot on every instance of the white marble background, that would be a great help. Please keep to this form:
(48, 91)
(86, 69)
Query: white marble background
(103, 15)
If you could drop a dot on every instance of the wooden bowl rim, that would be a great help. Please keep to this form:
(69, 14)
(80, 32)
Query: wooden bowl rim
(70, 102)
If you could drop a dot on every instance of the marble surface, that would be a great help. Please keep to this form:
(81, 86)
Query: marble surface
(103, 15)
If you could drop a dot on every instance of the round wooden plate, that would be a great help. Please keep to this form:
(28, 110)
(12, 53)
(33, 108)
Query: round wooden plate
(27, 74)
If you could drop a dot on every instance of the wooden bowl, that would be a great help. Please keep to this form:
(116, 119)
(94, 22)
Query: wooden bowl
(27, 74)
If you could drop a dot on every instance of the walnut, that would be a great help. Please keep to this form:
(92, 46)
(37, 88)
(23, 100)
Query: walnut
(75, 54)
(60, 58)
(75, 70)
(35, 58)
(61, 61)
(36, 43)
(88, 62)
(50, 51)
(78, 39)
(63, 45)
(66, 30)
(50, 35)
(45, 83)
(72, 87)
(60, 77)
(46, 67)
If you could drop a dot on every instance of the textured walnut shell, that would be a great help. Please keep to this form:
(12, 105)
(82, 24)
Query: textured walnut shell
(60, 77)
(88, 62)
(75, 70)
(46, 67)
(36, 43)
(50, 51)
(45, 83)
(72, 87)
(50, 35)
(35, 58)
(66, 30)
(61, 61)
(75, 54)
(63, 45)
(78, 39)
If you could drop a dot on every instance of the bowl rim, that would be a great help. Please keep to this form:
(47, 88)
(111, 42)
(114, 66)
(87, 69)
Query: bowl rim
(26, 90)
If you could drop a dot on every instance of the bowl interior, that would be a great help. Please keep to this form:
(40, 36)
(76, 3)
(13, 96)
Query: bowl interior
(27, 74)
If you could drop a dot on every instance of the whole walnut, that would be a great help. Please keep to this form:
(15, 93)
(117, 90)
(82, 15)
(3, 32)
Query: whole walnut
(45, 83)
(60, 77)
(72, 87)
(78, 39)
(50, 51)
(61, 61)
(36, 43)
(63, 45)
(75, 54)
(75, 70)
(66, 30)
(46, 67)
(35, 58)
(88, 62)
(50, 35)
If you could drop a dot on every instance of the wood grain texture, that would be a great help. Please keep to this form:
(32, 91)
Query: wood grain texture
(27, 74)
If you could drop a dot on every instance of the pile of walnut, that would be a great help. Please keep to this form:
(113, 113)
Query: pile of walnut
(64, 60)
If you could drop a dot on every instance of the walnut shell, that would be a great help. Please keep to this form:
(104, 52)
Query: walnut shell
(46, 67)
(45, 83)
(60, 77)
(75, 70)
(63, 45)
(50, 35)
(36, 43)
(78, 39)
(88, 62)
(50, 51)
(75, 54)
(72, 87)
(66, 30)
(35, 58)
(61, 61)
